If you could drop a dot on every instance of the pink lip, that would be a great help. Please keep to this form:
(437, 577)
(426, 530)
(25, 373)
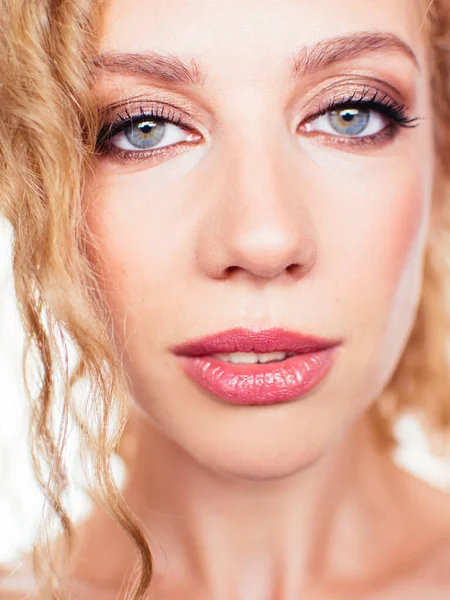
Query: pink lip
(258, 383)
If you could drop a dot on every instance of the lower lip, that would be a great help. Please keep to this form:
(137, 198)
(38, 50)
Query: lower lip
(269, 383)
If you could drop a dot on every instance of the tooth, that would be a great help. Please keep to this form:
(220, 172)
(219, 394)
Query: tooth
(251, 358)
(271, 356)
(248, 358)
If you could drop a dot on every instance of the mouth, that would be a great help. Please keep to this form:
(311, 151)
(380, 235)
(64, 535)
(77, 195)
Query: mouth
(245, 367)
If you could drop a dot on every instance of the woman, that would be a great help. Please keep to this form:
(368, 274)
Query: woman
(238, 210)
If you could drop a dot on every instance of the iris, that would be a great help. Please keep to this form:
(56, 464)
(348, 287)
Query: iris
(349, 121)
(145, 134)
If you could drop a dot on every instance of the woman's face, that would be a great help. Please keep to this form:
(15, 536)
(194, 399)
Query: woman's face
(275, 176)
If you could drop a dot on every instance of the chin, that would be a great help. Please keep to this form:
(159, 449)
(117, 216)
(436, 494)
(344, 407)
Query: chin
(260, 453)
(257, 470)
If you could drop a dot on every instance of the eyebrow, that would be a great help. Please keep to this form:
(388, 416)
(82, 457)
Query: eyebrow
(310, 59)
(166, 68)
(338, 49)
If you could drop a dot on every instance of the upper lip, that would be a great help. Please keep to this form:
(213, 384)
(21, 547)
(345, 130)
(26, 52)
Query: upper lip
(260, 342)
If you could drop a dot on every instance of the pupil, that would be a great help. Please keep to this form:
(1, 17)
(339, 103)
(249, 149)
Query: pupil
(348, 116)
(146, 128)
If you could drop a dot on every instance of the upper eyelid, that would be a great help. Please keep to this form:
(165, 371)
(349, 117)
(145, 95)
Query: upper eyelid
(114, 127)
(136, 108)
(344, 84)
(342, 92)
(371, 103)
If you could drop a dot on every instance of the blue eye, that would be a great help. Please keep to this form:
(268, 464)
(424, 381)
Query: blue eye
(349, 122)
(145, 134)
(149, 133)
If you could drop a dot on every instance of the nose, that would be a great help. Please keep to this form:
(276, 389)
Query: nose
(258, 226)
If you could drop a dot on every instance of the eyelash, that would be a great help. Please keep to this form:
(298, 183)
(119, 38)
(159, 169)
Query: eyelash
(164, 113)
(377, 101)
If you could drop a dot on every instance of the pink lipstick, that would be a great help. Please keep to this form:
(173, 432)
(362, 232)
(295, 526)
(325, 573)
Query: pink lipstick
(246, 367)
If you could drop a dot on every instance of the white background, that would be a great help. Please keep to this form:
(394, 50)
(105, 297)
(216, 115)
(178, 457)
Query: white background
(20, 500)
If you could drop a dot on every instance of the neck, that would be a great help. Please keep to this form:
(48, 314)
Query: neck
(231, 536)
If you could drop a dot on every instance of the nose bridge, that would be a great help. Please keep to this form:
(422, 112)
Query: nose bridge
(261, 223)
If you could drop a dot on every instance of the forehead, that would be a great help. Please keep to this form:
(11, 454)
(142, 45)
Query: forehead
(210, 28)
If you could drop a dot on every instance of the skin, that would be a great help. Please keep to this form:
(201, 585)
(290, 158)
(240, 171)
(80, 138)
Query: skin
(259, 223)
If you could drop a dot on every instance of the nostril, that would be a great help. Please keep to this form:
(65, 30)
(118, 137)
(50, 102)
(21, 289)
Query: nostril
(230, 270)
(294, 269)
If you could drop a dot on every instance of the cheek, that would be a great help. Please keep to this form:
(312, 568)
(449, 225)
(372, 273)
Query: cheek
(401, 271)
(397, 248)
(382, 264)
(144, 247)
(394, 240)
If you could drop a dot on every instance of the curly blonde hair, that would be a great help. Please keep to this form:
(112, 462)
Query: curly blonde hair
(48, 130)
